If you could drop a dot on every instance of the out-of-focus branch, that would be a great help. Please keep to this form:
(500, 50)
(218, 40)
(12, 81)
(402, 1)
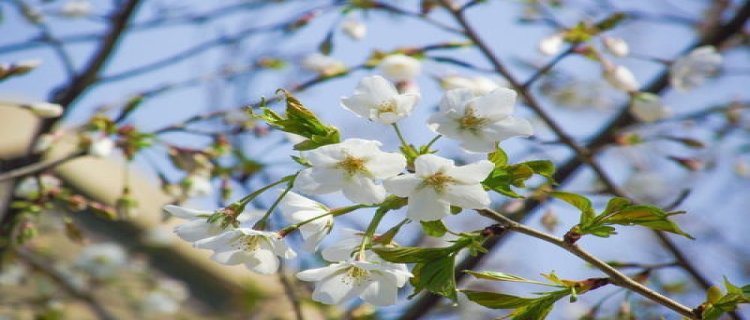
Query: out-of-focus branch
(42, 266)
(38, 166)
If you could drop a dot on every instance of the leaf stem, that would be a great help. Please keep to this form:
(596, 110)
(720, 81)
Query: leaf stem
(370, 232)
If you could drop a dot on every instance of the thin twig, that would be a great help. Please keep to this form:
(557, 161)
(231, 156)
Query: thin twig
(618, 278)
(38, 166)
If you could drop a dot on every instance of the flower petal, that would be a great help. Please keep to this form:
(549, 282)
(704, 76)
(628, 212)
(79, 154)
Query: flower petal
(319, 273)
(196, 230)
(263, 262)
(361, 189)
(467, 196)
(402, 185)
(429, 164)
(386, 164)
(471, 173)
(185, 213)
(382, 291)
(456, 99)
(425, 205)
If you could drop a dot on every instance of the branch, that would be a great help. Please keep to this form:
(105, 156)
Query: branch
(43, 267)
(618, 278)
(38, 166)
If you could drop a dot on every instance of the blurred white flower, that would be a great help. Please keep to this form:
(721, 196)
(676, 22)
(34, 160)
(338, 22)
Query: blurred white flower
(377, 99)
(620, 78)
(648, 107)
(479, 122)
(297, 208)
(102, 260)
(438, 183)
(351, 166)
(165, 298)
(399, 67)
(355, 29)
(29, 187)
(12, 274)
(692, 70)
(616, 46)
(45, 109)
(647, 186)
(76, 8)
(100, 145)
(375, 282)
(158, 237)
(478, 85)
(198, 184)
(551, 45)
(322, 64)
(257, 250)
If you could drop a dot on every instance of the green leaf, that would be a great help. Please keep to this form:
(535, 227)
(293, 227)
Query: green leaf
(540, 307)
(580, 202)
(436, 276)
(434, 228)
(412, 254)
(494, 300)
(300, 121)
(643, 215)
(610, 22)
(544, 168)
(500, 276)
(498, 157)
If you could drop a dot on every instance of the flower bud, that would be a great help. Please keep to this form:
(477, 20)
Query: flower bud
(355, 29)
(551, 45)
(648, 107)
(616, 46)
(399, 67)
(45, 109)
(620, 78)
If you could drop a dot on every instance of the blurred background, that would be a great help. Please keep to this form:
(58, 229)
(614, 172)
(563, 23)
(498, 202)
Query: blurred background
(168, 83)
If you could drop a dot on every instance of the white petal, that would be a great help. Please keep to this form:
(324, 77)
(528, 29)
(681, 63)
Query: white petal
(326, 156)
(363, 190)
(507, 128)
(337, 288)
(472, 173)
(403, 185)
(405, 102)
(265, 262)
(342, 250)
(319, 180)
(231, 257)
(319, 273)
(467, 196)
(386, 164)
(220, 242)
(425, 205)
(456, 99)
(496, 104)
(197, 229)
(186, 213)
(429, 164)
(359, 104)
(382, 291)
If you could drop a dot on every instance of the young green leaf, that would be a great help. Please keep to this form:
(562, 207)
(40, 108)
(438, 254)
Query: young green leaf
(434, 228)
(412, 254)
(580, 202)
(494, 300)
(436, 276)
(500, 276)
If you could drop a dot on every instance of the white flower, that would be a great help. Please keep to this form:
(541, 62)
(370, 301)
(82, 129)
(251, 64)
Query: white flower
(648, 107)
(647, 186)
(29, 187)
(257, 250)
(616, 46)
(437, 184)
(102, 260)
(76, 8)
(351, 166)
(46, 109)
(101, 146)
(377, 99)
(343, 248)
(478, 85)
(375, 282)
(479, 122)
(165, 298)
(354, 28)
(399, 67)
(322, 64)
(297, 208)
(691, 70)
(198, 184)
(551, 44)
(12, 274)
(198, 227)
(620, 78)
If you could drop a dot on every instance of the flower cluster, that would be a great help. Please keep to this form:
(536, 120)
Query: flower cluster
(369, 176)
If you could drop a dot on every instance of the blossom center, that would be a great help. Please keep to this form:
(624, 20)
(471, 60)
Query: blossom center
(352, 165)
(471, 121)
(387, 106)
(249, 243)
(356, 275)
(438, 181)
